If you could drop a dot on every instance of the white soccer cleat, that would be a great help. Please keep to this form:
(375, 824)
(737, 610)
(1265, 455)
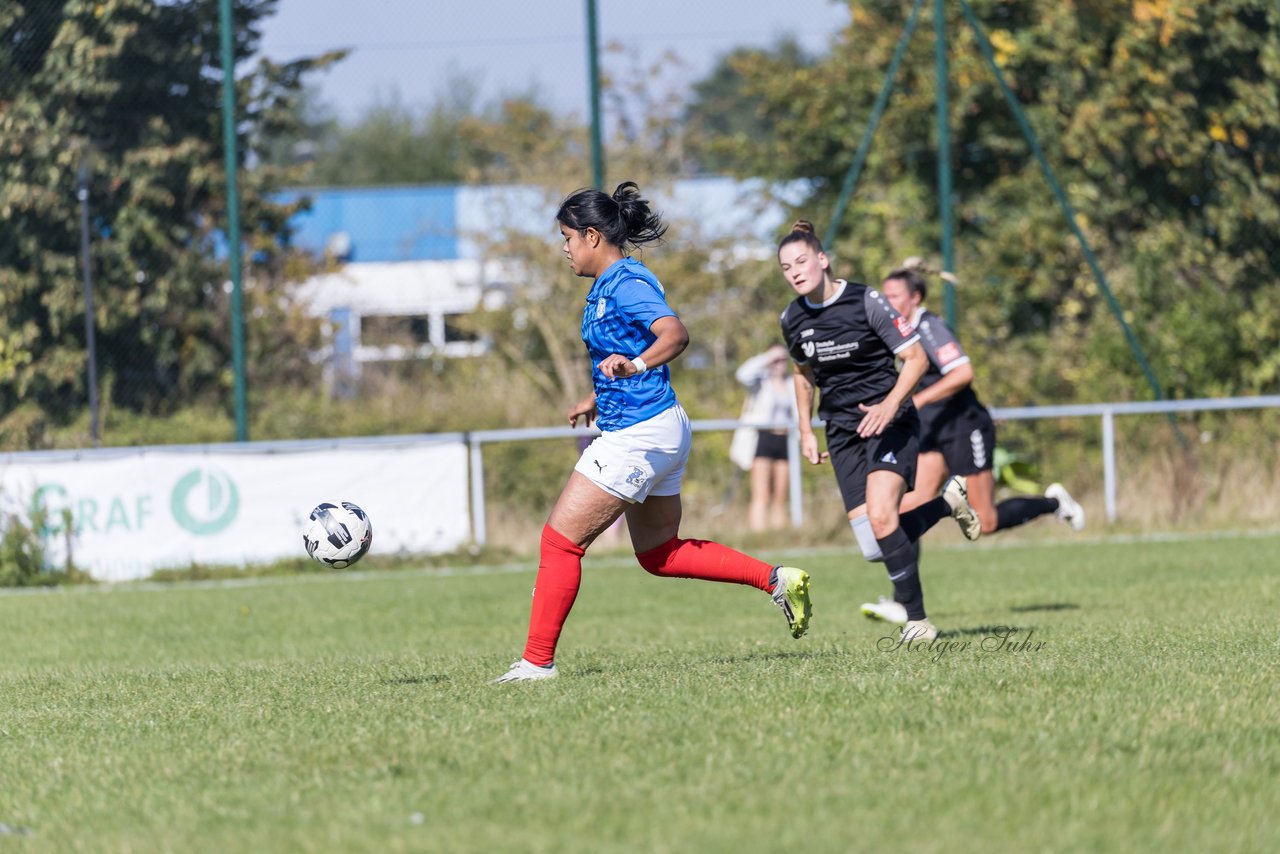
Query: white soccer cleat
(1069, 510)
(956, 493)
(919, 630)
(524, 671)
(885, 610)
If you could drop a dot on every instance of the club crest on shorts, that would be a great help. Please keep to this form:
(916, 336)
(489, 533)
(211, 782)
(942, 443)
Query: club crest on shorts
(637, 477)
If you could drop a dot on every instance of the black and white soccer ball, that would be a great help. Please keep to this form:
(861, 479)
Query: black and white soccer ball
(337, 535)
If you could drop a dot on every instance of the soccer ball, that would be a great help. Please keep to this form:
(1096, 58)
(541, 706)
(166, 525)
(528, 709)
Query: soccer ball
(337, 535)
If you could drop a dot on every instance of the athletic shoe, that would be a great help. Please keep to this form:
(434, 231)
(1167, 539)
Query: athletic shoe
(886, 610)
(956, 494)
(1069, 510)
(919, 630)
(791, 594)
(524, 671)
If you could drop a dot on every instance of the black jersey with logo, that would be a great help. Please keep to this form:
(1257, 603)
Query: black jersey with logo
(944, 418)
(849, 343)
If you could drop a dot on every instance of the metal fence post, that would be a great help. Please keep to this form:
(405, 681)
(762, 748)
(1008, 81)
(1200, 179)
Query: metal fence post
(478, 533)
(1109, 463)
(793, 476)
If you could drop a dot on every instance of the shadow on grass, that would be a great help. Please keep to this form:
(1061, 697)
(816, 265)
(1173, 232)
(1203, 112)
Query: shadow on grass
(1047, 606)
(429, 679)
(986, 631)
(776, 656)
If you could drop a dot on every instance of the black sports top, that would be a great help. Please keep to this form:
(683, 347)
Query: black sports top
(849, 342)
(944, 417)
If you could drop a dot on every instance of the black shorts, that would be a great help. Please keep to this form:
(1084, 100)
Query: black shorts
(854, 457)
(771, 446)
(968, 446)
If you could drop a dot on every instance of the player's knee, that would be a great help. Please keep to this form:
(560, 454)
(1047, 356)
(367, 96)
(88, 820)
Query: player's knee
(882, 520)
(866, 538)
(655, 561)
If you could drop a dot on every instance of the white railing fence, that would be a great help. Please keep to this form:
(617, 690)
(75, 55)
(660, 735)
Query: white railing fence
(1106, 411)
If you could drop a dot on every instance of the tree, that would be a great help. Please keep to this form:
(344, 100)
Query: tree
(1160, 120)
(129, 92)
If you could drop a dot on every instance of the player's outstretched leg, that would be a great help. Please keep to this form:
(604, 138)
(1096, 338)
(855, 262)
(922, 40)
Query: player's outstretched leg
(710, 561)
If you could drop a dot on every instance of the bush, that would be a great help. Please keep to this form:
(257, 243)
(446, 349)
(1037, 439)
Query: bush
(24, 558)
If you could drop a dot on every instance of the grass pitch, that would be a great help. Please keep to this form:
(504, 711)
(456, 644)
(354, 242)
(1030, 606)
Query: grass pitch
(1135, 708)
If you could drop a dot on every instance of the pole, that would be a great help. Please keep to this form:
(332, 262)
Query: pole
(82, 193)
(1109, 463)
(233, 216)
(479, 531)
(593, 75)
(944, 157)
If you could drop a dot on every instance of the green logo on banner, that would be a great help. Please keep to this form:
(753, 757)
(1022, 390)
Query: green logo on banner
(204, 502)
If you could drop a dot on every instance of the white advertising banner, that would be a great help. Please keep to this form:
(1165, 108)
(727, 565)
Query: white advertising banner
(133, 512)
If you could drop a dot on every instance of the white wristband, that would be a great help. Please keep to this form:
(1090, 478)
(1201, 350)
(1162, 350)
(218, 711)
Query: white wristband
(641, 367)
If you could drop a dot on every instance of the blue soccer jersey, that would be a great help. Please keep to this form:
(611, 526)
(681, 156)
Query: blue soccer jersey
(623, 303)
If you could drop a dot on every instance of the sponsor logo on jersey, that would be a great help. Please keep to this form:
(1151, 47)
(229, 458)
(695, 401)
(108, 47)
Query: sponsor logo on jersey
(805, 333)
(808, 349)
(904, 326)
(600, 306)
(948, 352)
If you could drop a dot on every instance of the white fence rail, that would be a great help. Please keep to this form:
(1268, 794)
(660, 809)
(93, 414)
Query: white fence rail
(1106, 411)
(408, 499)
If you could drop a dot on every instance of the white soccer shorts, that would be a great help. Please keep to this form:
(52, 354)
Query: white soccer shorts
(641, 460)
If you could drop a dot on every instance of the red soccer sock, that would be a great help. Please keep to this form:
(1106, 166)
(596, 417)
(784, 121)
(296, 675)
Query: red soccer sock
(559, 576)
(705, 560)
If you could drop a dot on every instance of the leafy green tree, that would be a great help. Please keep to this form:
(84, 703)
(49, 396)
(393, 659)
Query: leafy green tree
(127, 94)
(1160, 120)
(723, 117)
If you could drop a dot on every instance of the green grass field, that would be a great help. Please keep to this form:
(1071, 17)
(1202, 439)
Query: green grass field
(1136, 709)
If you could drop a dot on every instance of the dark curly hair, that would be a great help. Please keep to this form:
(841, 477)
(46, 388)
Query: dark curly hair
(623, 219)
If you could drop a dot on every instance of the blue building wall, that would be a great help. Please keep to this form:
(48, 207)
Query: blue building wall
(431, 223)
(383, 223)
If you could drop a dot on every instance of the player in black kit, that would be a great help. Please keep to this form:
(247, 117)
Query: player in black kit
(844, 338)
(957, 434)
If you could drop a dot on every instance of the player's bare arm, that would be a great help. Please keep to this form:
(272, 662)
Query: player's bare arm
(585, 408)
(952, 381)
(805, 384)
(672, 339)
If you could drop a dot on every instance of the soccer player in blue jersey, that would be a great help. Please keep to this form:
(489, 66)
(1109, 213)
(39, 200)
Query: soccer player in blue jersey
(636, 465)
(844, 339)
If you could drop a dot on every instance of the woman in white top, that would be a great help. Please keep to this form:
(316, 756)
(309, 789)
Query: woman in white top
(771, 400)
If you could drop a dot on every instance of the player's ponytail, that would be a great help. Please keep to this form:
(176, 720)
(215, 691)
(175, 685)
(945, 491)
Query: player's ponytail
(642, 225)
(623, 219)
(913, 272)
